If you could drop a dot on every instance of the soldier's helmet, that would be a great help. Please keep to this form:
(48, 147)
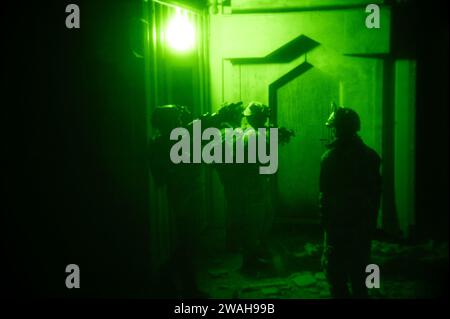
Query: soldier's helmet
(345, 120)
(166, 117)
(231, 112)
(257, 113)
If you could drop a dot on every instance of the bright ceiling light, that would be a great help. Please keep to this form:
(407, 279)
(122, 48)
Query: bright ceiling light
(180, 32)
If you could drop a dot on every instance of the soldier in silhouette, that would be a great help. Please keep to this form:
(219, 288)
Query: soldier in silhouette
(180, 185)
(229, 116)
(350, 189)
(256, 207)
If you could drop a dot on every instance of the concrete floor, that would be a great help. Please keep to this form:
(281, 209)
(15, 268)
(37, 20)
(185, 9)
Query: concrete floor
(407, 271)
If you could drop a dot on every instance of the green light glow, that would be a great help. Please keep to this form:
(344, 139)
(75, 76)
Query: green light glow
(180, 32)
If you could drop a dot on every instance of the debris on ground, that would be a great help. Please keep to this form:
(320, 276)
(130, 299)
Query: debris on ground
(407, 271)
(303, 279)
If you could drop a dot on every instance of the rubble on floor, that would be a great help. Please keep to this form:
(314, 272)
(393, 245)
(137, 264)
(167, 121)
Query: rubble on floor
(407, 271)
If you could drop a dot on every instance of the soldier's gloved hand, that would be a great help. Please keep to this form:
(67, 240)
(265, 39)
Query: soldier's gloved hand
(285, 135)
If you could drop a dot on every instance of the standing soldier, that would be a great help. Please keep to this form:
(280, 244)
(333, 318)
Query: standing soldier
(256, 206)
(350, 189)
(183, 191)
(230, 116)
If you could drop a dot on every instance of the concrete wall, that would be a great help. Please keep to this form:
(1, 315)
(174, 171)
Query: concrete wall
(348, 54)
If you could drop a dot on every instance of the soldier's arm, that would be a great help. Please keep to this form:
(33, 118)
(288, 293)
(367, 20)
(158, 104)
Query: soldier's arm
(324, 189)
(155, 163)
(376, 189)
(378, 185)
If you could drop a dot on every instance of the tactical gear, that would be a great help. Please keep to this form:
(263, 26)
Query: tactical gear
(256, 109)
(167, 117)
(345, 120)
(350, 189)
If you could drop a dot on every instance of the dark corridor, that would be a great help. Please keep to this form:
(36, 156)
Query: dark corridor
(79, 107)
